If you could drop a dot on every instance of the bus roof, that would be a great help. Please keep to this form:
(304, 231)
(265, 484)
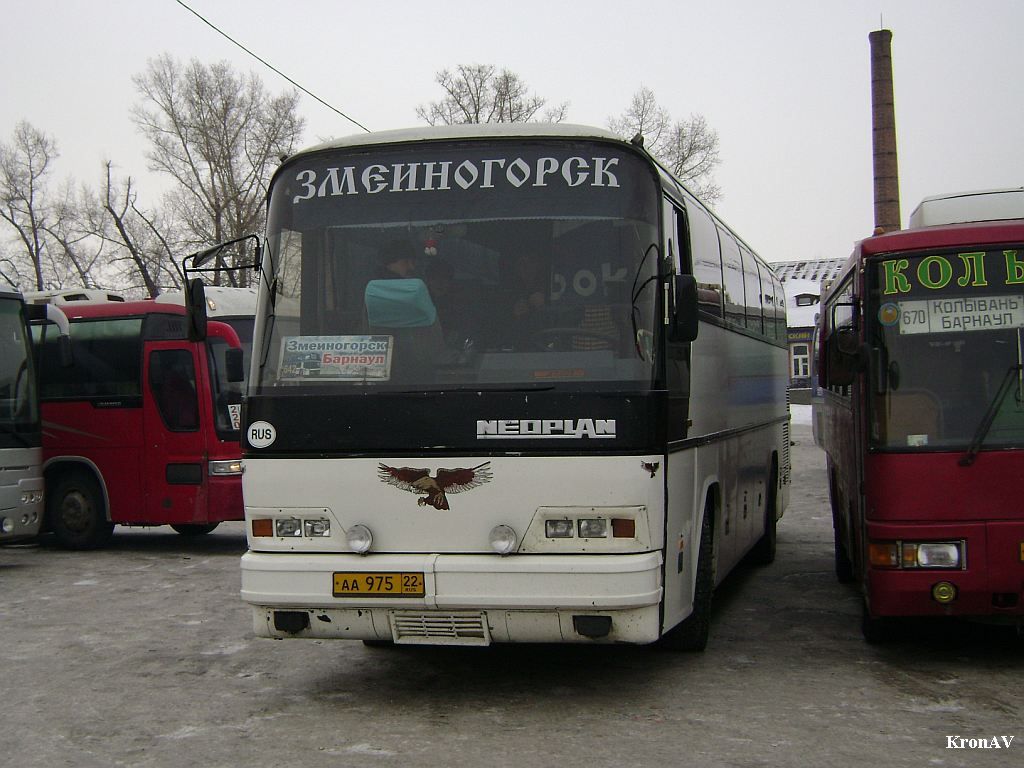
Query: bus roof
(960, 207)
(471, 131)
(72, 295)
(484, 131)
(949, 236)
(87, 310)
(222, 301)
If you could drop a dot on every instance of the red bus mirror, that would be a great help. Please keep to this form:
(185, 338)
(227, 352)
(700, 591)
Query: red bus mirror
(195, 309)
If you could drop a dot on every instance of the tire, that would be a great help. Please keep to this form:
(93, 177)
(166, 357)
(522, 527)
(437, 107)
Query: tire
(763, 552)
(691, 634)
(194, 529)
(844, 566)
(77, 513)
(878, 630)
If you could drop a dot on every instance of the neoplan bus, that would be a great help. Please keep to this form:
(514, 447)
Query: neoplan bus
(509, 384)
(21, 465)
(142, 428)
(923, 421)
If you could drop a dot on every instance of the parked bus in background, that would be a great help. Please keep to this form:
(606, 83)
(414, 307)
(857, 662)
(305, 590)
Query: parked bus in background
(142, 428)
(226, 304)
(21, 466)
(72, 295)
(509, 384)
(923, 416)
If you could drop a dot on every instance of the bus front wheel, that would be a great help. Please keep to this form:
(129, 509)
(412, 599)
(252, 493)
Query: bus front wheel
(77, 513)
(691, 634)
(764, 550)
(194, 529)
(877, 630)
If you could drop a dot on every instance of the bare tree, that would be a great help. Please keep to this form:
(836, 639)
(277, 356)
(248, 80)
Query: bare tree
(25, 166)
(689, 148)
(75, 255)
(479, 93)
(218, 135)
(141, 245)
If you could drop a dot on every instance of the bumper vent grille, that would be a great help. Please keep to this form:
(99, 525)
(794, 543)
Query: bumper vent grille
(440, 628)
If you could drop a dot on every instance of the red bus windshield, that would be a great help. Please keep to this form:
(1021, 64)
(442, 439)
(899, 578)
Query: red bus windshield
(945, 332)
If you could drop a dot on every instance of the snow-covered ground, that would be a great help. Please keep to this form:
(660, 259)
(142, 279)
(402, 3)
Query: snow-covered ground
(800, 414)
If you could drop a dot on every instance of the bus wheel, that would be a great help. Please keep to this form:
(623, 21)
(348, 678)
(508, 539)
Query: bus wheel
(194, 529)
(763, 552)
(691, 634)
(77, 513)
(877, 630)
(844, 567)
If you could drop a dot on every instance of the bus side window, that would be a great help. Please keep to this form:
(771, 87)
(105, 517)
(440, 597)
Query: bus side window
(172, 379)
(706, 258)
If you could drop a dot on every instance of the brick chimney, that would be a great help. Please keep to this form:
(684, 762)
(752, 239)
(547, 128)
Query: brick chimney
(883, 131)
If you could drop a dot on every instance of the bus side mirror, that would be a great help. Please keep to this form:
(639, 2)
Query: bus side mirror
(233, 369)
(841, 359)
(683, 320)
(195, 309)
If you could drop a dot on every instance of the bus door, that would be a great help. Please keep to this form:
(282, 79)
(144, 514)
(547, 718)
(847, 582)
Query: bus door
(174, 461)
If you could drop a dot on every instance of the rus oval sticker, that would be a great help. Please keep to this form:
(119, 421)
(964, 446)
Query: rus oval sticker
(261, 434)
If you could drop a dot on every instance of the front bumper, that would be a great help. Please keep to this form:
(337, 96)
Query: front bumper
(990, 582)
(522, 598)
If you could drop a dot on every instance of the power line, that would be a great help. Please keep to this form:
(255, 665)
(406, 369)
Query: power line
(270, 66)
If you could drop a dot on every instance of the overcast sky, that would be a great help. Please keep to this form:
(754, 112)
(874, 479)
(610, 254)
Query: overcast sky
(785, 83)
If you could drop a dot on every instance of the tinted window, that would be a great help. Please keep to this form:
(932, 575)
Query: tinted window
(752, 291)
(732, 269)
(107, 360)
(707, 260)
(172, 380)
(460, 266)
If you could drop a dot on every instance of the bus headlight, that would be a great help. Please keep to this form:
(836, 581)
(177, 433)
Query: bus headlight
(912, 555)
(929, 554)
(288, 526)
(225, 468)
(558, 529)
(359, 539)
(319, 526)
(946, 555)
(503, 540)
(593, 527)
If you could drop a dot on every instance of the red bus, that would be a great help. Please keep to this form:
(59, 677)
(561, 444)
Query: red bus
(922, 420)
(143, 427)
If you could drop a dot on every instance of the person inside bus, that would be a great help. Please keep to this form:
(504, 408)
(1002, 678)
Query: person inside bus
(397, 260)
(398, 304)
(527, 298)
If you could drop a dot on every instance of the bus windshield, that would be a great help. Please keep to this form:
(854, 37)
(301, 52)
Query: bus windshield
(227, 395)
(453, 266)
(18, 408)
(945, 330)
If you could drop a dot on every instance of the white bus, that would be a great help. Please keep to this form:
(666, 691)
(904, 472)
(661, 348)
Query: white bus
(509, 384)
(21, 470)
(72, 295)
(225, 304)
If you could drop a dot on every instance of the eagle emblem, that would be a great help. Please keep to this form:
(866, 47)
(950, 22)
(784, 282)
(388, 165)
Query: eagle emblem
(435, 487)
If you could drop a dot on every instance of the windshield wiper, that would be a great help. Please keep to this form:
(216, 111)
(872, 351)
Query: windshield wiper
(635, 294)
(990, 416)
